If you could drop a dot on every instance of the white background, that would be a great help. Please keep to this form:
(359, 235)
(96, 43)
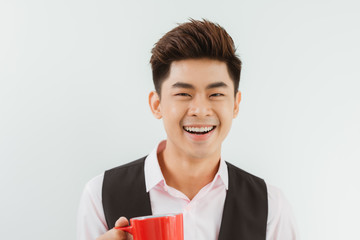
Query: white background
(74, 81)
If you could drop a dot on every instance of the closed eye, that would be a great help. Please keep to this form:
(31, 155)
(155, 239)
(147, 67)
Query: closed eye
(217, 95)
(183, 94)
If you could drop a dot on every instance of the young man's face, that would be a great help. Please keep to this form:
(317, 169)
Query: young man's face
(197, 107)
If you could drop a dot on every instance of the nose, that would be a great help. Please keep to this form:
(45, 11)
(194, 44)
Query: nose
(199, 106)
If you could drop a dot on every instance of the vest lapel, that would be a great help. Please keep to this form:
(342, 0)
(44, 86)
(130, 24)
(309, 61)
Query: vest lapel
(124, 192)
(245, 209)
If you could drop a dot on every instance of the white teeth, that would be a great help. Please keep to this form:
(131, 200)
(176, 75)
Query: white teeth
(200, 130)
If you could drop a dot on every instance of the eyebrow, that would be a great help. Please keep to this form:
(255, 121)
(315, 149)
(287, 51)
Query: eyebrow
(217, 85)
(190, 86)
(183, 85)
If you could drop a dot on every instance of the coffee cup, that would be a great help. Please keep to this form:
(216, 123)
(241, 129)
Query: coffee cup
(156, 227)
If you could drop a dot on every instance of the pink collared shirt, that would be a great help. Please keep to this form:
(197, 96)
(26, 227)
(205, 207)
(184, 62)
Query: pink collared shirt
(202, 215)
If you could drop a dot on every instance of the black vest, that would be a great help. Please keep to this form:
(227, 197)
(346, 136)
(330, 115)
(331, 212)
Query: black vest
(245, 210)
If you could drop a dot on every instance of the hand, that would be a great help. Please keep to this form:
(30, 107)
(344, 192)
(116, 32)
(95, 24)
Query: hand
(116, 234)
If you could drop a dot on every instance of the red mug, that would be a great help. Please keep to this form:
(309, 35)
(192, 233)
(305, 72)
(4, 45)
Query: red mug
(156, 227)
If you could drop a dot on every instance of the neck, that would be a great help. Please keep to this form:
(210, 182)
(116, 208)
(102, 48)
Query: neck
(187, 174)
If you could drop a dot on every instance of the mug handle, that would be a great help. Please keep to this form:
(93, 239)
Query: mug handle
(128, 229)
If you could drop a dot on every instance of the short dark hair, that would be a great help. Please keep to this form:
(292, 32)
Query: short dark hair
(194, 40)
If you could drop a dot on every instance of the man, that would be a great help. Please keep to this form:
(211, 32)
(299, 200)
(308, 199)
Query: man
(196, 74)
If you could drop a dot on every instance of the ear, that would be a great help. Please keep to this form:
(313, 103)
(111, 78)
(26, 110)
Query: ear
(154, 102)
(237, 103)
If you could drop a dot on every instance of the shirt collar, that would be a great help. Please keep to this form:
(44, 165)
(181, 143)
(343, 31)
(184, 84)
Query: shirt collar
(154, 176)
(223, 173)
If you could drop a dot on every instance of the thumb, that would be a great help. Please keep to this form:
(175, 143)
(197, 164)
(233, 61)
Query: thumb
(122, 222)
(116, 234)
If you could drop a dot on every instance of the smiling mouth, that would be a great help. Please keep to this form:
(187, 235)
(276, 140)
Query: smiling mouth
(199, 130)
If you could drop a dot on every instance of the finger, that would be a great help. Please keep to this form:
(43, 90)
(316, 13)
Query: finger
(129, 236)
(122, 222)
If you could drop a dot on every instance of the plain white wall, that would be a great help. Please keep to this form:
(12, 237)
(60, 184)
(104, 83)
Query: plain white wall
(74, 80)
